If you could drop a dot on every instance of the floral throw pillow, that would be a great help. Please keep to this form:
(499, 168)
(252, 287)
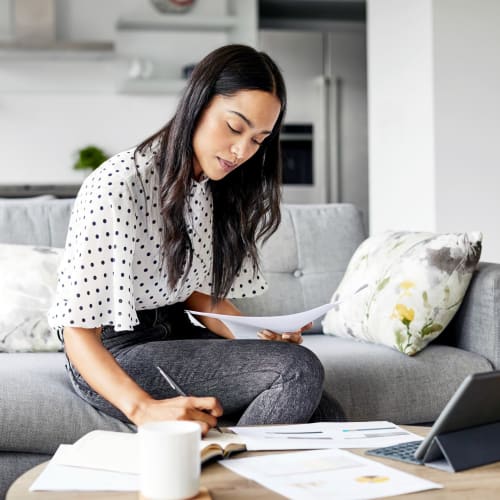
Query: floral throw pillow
(27, 288)
(414, 282)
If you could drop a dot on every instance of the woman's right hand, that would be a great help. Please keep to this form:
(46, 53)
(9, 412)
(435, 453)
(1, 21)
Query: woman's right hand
(203, 410)
(101, 371)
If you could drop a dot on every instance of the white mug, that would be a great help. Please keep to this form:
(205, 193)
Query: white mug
(170, 459)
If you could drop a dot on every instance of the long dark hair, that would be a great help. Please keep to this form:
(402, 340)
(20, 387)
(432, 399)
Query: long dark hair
(246, 203)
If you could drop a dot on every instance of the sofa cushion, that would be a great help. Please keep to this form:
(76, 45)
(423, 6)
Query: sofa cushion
(305, 259)
(38, 407)
(38, 222)
(375, 382)
(29, 277)
(415, 282)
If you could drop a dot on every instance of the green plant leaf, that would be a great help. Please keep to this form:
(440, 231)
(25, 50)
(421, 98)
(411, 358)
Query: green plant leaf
(383, 283)
(429, 329)
(399, 340)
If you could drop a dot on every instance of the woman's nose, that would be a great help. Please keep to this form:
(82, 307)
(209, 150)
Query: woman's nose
(239, 150)
(236, 152)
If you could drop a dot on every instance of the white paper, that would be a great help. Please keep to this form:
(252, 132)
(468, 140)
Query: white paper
(118, 451)
(327, 474)
(57, 477)
(102, 450)
(244, 327)
(322, 435)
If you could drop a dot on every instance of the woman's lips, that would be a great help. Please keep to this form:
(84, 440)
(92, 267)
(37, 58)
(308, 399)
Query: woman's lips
(227, 166)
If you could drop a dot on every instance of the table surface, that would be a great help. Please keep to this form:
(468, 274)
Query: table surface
(222, 484)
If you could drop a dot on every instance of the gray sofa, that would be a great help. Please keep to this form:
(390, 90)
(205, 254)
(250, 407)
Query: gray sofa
(303, 262)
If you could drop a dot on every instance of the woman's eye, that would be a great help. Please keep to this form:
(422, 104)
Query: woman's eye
(236, 131)
(232, 129)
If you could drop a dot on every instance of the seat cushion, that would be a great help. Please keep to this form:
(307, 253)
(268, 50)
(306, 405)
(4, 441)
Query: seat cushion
(12, 465)
(38, 407)
(375, 382)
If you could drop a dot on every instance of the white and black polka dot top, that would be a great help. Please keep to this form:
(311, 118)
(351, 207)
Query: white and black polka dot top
(112, 264)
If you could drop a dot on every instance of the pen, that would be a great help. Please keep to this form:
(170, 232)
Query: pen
(176, 388)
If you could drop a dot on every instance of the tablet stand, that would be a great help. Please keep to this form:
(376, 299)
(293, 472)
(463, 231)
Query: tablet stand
(466, 448)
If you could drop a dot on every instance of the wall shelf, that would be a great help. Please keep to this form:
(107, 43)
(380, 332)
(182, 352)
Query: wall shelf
(167, 22)
(57, 50)
(170, 42)
(152, 86)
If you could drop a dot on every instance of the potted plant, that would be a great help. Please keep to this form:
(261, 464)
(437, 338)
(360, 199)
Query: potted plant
(89, 158)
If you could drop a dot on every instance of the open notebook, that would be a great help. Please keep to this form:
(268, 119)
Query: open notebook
(119, 451)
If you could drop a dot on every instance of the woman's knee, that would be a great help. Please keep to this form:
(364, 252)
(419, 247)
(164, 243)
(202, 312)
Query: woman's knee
(305, 366)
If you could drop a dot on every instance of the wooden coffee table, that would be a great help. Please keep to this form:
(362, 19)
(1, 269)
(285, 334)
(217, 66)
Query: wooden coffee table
(479, 483)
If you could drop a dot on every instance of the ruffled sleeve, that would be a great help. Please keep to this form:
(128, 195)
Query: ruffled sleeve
(95, 285)
(248, 282)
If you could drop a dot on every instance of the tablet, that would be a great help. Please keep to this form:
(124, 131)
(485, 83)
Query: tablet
(474, 403)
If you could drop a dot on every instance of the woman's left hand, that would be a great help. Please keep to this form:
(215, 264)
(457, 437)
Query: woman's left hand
(293, 337)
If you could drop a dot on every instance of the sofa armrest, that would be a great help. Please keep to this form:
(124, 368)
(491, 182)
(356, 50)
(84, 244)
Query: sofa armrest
(476, 326)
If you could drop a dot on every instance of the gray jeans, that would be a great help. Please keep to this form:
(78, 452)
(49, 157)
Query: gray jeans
(256, 381)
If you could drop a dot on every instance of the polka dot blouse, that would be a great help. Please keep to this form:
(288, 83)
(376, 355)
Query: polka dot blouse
(112, 264)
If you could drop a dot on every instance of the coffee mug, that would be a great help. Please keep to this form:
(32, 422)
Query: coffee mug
(170, 460)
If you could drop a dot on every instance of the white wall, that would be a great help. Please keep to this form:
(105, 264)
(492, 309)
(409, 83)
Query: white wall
(434, 108)
(400, 115)
(467, 88)
(53, 105)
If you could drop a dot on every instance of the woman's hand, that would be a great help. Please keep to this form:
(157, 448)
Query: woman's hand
(203, 410)
(292, 337)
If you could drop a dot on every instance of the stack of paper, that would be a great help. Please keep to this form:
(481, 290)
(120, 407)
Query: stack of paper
(59, 477)
(109, 461)
(322, 435)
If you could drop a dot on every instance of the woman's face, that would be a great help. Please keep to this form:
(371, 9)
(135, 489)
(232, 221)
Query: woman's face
(230, 131)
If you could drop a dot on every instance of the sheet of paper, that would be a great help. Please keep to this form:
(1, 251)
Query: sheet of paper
(244, 327)
(327, 474)
(102, 450)
(320, 435)
(57, 477)
(118, 451)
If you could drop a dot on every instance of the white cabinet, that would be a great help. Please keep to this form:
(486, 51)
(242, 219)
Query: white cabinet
(163, 44)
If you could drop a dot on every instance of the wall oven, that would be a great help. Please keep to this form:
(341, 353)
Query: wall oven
(302, 179)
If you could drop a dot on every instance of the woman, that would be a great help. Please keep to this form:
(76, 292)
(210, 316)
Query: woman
(173, 225)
